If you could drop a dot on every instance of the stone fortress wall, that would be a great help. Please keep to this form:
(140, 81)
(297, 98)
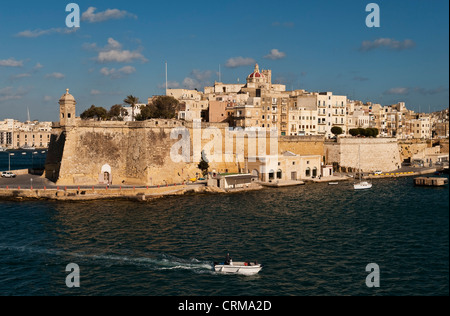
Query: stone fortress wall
(376, 154)
(139, 153)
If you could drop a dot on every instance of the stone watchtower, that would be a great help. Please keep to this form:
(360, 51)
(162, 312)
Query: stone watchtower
(67, 109)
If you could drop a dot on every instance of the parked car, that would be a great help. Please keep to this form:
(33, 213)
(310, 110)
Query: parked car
(378, 172)
(8, 174)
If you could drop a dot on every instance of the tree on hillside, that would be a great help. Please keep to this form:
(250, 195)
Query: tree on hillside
(367, 132)
(162, 107)
(165, 107)
(117, 112)
(354, 132)
(132, 101)
(336, 130)
(204, 164)
(94, 112)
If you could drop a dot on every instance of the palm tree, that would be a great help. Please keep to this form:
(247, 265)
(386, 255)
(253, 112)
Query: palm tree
(132, 101)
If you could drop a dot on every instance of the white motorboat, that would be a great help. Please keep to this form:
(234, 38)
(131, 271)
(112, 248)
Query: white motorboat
(244, 268)
(2, 149)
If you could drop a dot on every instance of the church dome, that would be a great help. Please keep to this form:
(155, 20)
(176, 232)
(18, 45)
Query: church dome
(256, 73)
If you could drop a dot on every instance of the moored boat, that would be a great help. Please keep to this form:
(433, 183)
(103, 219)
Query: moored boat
(362, 185)
(28, 147)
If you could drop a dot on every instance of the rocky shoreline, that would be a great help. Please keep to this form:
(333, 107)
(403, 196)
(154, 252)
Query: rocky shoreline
(131, 194)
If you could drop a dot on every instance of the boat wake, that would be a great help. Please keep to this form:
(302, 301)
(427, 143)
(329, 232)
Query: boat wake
(153, 262)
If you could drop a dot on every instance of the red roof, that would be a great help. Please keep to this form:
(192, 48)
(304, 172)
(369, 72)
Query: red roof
(256, 75)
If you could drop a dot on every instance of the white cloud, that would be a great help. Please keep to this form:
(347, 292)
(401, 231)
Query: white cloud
(433, 91)
(11, 62)
(397, 91)
(197, 79)
(110, 14)
(113, 53)
(8, 93)
(39, 32)
(20, 76)
(120, 56)
(95, 92)
(55, 75)
(418, 90)
(170, 85)
(114, 73)
(191, 84)
(388, 43)
(275, 54)
(113, 44)
(37, 67)
(239, 62)
(28, 74)
(48, 98)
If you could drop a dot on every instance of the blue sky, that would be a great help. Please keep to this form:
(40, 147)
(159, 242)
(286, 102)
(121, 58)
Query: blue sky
(121, 48)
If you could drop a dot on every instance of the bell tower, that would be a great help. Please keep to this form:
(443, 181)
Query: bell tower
(67, 109)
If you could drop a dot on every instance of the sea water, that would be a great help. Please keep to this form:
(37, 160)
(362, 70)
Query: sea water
(312, 240)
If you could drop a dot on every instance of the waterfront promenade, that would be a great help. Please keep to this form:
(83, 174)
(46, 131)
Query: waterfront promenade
(37, 187)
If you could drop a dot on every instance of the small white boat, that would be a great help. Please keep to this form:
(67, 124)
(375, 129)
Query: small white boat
(363, 185)
(244, 268)
(28, 147)
(2, 149)
(333, 183)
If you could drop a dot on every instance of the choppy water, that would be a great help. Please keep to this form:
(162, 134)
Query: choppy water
(313, 240)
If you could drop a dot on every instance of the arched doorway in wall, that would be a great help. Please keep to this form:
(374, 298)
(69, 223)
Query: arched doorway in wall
(314, 173)
(279, 174)
(105, 176)
(308, 172)
(271, 174)
(255, 173)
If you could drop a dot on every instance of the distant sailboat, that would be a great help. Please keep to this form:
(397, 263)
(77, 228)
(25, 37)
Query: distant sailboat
(362, 184)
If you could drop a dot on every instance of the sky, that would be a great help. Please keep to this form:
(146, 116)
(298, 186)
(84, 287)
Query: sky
(121, 48)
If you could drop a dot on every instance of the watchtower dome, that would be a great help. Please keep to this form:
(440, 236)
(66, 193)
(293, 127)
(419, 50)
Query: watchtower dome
(67, 109)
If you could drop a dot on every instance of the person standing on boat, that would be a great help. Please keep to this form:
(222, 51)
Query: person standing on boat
(228, 260)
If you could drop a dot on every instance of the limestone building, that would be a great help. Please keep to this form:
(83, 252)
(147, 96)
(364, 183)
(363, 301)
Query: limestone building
(30, 134)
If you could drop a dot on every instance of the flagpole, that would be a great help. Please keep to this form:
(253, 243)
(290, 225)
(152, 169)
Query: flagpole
(167, 85)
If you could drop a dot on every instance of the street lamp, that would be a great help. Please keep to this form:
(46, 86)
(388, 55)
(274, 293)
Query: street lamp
(32, 159)
(9, 161)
